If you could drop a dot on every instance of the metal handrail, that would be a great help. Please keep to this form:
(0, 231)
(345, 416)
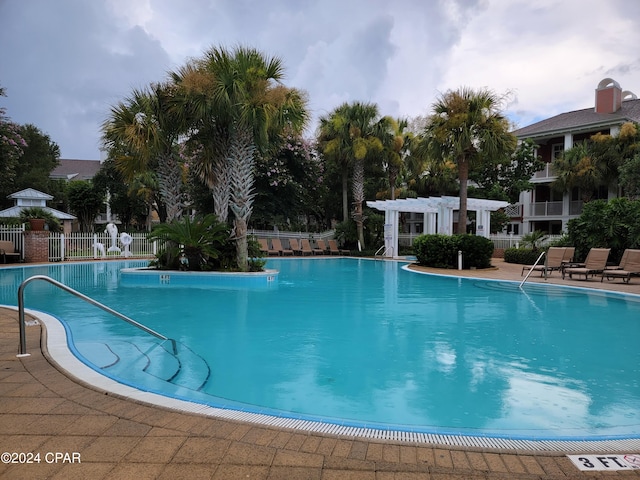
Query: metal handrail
(531, 269)
(23, 337)
(384, 251)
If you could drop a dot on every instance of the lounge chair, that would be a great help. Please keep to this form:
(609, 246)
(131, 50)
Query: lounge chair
(8, 251)
(553, 261)
(569, 252)
(277, 245)
(622, 263)
(629, 266)
(307, 249)
(295, 246)
(334, 250)
(322, 246)
(271, 250)
(595, 263)
(264, 245)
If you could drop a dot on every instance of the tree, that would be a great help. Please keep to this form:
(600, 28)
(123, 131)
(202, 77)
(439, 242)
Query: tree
(509, 179)
(124, 201)
(205, 151)
(395, 140)
(288, 186)
(579, 168)
(247, 102)
(144, 132)
(40, 156)
(200, 241)
(601, 161)
(467, 128)
(348, 136)
(85, 201)
(11, 149)
(630, 177)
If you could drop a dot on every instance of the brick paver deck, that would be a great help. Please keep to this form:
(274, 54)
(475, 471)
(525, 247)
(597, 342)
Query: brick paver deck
(45, 411)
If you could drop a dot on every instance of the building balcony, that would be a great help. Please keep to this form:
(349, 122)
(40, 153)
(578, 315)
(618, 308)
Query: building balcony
(544, 175)
(545, 209)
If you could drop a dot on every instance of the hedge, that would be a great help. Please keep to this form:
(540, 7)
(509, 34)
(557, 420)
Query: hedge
(441, 251)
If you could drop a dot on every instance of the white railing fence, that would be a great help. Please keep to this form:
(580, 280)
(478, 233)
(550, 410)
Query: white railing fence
(328, 235)
(85, 246)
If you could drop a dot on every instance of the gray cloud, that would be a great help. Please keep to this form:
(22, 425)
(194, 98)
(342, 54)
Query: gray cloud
(64, 63)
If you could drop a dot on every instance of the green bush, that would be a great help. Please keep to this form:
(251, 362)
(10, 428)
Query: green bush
(441, 251)
(521, 256)
(476, 251)
(435, 250)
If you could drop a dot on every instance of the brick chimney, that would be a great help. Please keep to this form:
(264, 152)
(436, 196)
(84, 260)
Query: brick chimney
(608, 96)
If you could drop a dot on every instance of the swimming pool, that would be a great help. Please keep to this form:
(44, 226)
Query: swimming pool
(368, 344)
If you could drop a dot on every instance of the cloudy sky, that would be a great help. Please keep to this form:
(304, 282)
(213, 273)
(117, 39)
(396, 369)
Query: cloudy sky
(63, 63)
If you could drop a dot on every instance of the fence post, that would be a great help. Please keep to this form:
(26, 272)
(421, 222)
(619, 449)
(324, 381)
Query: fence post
(62, 252)
(95, 246)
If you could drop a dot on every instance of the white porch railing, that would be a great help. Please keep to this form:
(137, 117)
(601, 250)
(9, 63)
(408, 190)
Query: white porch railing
(544, 209)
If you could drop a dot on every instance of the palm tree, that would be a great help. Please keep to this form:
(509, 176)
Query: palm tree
(244, 103)
(200, 241)
(208, 142)
(347, 137)
(144, 126)
(395, 140)
(466, 127)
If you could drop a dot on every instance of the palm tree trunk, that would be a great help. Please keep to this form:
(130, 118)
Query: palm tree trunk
(241, 165)
(358, 198)
(170, 184)
(220, 189)
(345, 199)
(393, 177)
(463, 176)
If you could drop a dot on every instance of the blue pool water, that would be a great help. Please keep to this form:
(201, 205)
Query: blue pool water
(366, 343)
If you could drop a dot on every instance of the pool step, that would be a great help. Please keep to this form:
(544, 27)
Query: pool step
(137, 362)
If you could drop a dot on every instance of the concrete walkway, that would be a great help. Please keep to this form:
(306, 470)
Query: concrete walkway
(70, 430)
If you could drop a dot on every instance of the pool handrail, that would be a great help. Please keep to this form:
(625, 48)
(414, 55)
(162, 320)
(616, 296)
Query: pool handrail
(23, 337)
(532, 268)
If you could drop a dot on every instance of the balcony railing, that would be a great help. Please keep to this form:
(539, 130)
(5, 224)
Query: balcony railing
(545, 174)
(545, 209)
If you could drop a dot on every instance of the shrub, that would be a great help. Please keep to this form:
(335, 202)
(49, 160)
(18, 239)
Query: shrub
(476, 250)
(521, 256)
(441, 251)
(435, 250)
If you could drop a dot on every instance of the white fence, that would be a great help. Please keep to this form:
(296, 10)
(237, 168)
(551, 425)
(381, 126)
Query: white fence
(15, 235)
(84, 246)
(328, 235)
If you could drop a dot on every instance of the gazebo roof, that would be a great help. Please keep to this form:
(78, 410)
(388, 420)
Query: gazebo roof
(433, 204)
(30, 194)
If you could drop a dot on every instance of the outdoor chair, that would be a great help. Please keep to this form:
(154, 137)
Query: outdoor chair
(8, 251)
(334, 250)
(629, 266)
(322, 246)
(552, 261)
(307, 249)
(264, 245)
(295, 246)
(595, 263)
(277, 246)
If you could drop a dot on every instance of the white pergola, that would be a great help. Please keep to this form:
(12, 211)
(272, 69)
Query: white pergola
(438, 215)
